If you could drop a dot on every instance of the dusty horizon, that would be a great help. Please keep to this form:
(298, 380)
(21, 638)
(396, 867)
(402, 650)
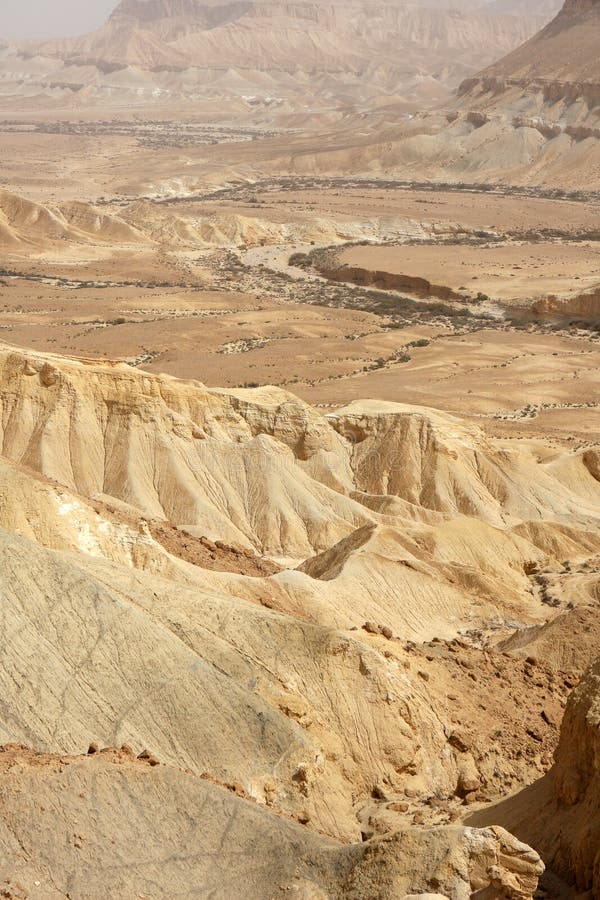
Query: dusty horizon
(37, 19)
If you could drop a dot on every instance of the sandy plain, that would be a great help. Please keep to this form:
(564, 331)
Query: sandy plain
(237, 314)
(517, 271)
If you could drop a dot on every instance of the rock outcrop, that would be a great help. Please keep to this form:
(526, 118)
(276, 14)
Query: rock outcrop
(559, 814)
(584, 306)
(572, 844)
(151, 826)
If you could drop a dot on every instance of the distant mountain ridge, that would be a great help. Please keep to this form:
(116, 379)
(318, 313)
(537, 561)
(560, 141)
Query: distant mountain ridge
(204, 14)
(198, 48)
(564, 53)
(532, 118)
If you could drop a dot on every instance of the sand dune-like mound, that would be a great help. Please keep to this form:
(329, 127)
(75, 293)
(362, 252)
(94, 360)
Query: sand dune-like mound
(34, 226)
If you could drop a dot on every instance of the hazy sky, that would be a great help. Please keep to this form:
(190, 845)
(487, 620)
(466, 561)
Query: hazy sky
(51, 18)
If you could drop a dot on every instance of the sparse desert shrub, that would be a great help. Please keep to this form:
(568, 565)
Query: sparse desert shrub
(299, 260)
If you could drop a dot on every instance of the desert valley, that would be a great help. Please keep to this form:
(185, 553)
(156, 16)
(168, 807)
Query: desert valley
(300, 454)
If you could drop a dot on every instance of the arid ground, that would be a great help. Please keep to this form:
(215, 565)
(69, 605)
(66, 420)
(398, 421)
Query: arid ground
(231, 310)
(299, 455)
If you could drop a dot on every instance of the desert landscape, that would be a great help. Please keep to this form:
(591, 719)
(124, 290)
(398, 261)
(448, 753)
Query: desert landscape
(300, 454)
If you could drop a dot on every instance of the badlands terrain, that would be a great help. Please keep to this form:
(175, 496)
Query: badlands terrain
(299, 457)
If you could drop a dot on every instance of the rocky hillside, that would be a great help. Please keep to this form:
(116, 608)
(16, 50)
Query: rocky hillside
(561, 62)
(171, 823)
(559, 813)
(288, 624)
(539, 104)
(529, 119)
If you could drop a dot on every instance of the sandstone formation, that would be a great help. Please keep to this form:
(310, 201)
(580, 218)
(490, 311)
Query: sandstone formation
(541, 100)
(586, 304)
(549, 54)
(27, 227)
(33, 226)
